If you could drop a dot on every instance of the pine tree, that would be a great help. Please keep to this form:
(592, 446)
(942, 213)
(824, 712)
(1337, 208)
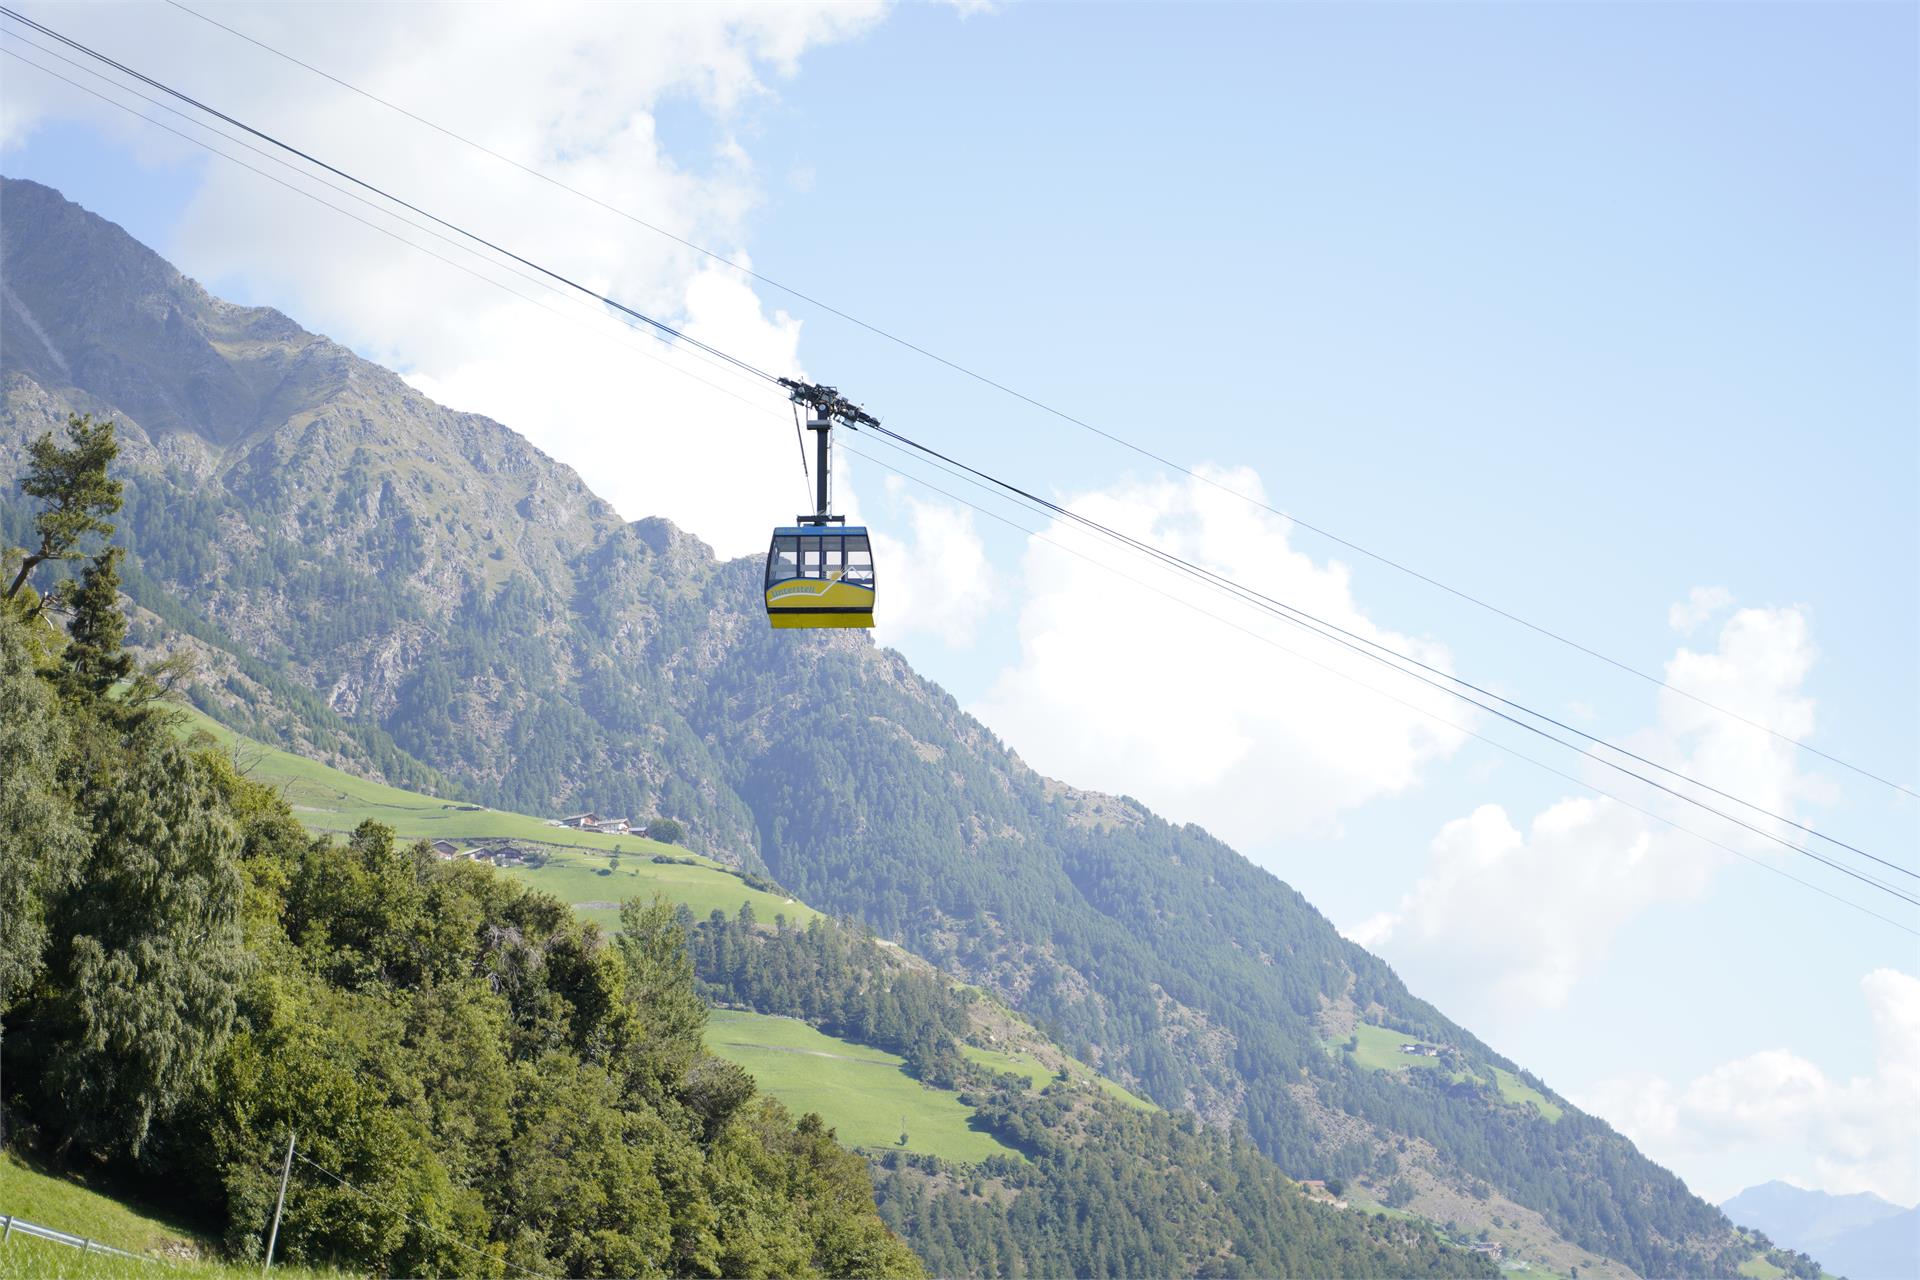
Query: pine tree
(75, 489)
(95, 659)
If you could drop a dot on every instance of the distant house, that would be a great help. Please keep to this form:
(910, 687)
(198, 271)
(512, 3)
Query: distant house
(581, 821)
(1492, 1248)
(1421, 1050)
(611, 826)
(445, 849)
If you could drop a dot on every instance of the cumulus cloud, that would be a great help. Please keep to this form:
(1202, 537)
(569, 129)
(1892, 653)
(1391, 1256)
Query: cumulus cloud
(569, 89)
(1509, 918)
(1124, 689)
(1842, 1135)
(1702, 603)
(936, 581)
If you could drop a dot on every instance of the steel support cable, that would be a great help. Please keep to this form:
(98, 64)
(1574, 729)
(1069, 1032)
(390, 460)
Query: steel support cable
(1310, 623)
(1387, 657)
(806, 473)
(570, 316)
(1061, 414)
(1441, 673)
(458, 245)
(1349, 677)
(1060, 510)
(288, 147)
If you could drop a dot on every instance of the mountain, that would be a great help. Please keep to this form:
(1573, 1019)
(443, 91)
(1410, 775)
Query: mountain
(1859, 1236)
(419, 595)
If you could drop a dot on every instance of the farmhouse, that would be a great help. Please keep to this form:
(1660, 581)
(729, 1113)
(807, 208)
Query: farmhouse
(581, 821)
(1421, 1050)
(610, 826)
(444, 849)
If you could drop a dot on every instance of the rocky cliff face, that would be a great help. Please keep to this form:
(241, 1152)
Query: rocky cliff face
(311, 512)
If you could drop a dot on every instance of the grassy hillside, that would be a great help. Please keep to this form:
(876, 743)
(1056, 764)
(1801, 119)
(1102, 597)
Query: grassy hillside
(1378, 1049)
(578, 868)
(1038, 1074)
(867, 1095)
(67, 1205)
(864, 1093)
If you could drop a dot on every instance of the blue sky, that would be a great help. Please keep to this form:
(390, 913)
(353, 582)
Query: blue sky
(1578, 308)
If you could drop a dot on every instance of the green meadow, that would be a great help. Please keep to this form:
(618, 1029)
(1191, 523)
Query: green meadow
(64, 1204)
(1520, 1093)
(1378, 1049)
(326, 799)
(1039, 1076)
(865, 1094)
(578, 867)
(595, 891)
(1018, 1064)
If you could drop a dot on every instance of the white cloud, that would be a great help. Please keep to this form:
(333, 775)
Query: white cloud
(938, 581)
(570, 89)
(1736, 1123)
(1123, 689)
(1506, 919)
(1701, 604)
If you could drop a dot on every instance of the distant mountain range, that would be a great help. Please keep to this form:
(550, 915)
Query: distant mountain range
(419, 595)
(1861, 1237)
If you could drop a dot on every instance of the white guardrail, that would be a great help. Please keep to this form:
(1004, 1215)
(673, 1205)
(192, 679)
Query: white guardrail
(10, 1226)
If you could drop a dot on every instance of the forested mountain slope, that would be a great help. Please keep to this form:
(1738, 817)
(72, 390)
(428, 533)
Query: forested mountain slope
(419, 593)
(465, 1079)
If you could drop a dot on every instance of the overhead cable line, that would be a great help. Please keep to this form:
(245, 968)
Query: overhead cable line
(1309, 622)
(1049, 409)
(1381, 651)
(656, 338)
(1291, 613)
(1350, 678)
(217, 114)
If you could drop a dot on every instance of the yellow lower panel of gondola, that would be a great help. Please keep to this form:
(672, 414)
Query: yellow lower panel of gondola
(806, 602)
(794, 618)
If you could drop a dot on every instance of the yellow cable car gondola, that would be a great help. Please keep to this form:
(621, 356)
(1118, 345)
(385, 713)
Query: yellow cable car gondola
(820, 576)
(820, 569)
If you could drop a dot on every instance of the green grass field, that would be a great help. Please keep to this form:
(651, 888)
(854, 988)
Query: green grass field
(1018, 1064)
(862, 1093)
(67, 1205)
(1519, 1092)
(1379, 1050)
(1758, 1268)
(1038, 1075)
(1123, 1093)
(325, 799)
(581, 879)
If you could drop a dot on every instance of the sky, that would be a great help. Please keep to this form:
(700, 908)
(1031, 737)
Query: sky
(1604, 315)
